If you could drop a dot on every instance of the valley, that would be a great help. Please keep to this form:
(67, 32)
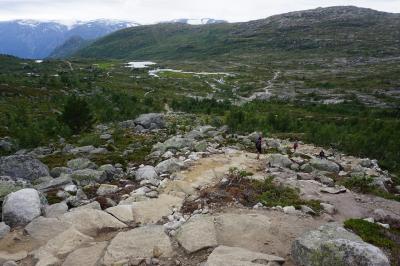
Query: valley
(139, 148)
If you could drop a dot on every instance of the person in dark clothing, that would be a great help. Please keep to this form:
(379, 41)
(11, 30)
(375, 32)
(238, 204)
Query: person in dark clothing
(295, 145)
(259, 146)
(322, 155)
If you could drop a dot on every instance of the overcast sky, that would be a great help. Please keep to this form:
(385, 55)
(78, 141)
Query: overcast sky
(150, 11)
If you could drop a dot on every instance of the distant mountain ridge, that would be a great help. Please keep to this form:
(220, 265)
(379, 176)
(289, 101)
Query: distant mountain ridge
(333, 31)
(34, 39)
(202, 21)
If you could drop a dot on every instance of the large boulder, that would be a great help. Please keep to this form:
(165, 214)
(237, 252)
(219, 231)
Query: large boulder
(174, 143)
(21, 207)
(170, 166)
(234, 256)
(334, 245)
(81, 163)
(145, 173)
(23, 166)
(197, 234)
(325, 165)
(279, 160)
(150, 121)
(139, 243)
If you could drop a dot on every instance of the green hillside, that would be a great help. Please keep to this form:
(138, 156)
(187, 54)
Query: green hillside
(343, 31)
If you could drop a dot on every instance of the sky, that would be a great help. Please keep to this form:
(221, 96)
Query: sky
(152, 11)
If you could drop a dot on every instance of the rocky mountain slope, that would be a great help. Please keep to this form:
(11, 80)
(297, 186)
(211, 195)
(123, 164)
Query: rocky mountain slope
(37, 39)
(200, 198)
(334, 31)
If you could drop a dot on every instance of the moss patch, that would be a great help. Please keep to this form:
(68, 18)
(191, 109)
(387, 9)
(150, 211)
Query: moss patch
(56, 160)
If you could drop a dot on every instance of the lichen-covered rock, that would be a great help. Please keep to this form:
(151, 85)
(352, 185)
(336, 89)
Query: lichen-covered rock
(21, 207)
(23, 166)
(88, 176)
(81, 163)
(279, 160)
(334, 245)
(58, 182)
(169, 166)
(150, 121)
(146, 172)
(325, 165)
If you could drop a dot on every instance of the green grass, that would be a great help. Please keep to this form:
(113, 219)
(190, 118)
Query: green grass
(377, 235)
(272, 195)
(364, 185)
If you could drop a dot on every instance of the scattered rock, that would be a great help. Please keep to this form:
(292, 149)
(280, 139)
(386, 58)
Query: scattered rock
(198, 233)
(80, 164)
(150, 121)
(60, 245)
(6, 256)
(169, 166)
(90, 221)
(58, 171)
(87, 256)
(4, 229)
(22, 166)
(279, 160)
(55, 183)
(334, 245)
(88, 177)
(334, 190)
(44, 229)
(152, 210)
(235, 256)
(325, 165)
(106, 189)
(328, 208)
(123, 213)
(387, 217)
(55, 210)
(139, 243)
(146, 172)
(21, 207)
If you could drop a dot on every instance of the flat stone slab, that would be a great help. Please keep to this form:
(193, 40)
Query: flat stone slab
(124, 213)
(233, 256)
(198, 233)
(61, 245)
(139, 243)
(248, 231)
(44, 229)
(151, 211)
(87, 256)
(90, 221)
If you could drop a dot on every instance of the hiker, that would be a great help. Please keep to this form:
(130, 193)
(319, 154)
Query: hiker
(295, 145)
(259, 146)
(322, 155)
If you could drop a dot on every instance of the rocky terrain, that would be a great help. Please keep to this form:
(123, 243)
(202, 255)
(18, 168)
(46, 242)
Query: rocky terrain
(191, 202)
